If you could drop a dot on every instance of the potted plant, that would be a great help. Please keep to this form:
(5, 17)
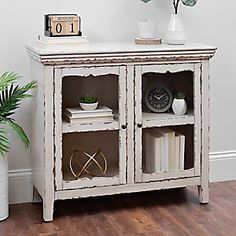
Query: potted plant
(175, 30)
(189, 3)
(179, 105)
(11, 96)
(88, 102)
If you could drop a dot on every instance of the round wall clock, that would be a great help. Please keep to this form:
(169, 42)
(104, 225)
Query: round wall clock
(159, 99)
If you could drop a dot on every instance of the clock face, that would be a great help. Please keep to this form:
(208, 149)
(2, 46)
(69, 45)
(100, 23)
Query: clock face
(159, 99)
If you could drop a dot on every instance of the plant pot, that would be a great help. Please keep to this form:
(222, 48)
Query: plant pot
(179, 107)
(4, 205)
(88, 106)
(176, 34)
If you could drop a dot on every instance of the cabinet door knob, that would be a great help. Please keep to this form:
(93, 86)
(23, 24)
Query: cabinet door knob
(123, 126)
(139, 125)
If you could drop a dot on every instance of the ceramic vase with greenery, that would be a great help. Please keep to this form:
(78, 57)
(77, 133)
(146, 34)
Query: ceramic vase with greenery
(88, 102)
(175, 30)
(179, 104)
(11, 96)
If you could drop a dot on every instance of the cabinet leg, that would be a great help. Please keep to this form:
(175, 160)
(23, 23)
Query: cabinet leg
(48, 208)
(203, 193)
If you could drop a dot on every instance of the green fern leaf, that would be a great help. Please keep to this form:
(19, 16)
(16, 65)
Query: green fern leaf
(7, 78)
(19, 132)
(11, 97)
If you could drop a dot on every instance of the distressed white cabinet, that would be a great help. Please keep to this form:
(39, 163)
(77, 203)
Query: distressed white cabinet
(119, 74)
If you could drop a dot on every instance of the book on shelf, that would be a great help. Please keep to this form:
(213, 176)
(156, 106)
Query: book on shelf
(177, 153)
(168, 157)
(77, 115)
(172, 149)
(181, 150)
(153, 142)
(164, 150)
(78, 112)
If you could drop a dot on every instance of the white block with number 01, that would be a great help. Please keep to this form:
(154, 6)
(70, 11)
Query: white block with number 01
(60, 25)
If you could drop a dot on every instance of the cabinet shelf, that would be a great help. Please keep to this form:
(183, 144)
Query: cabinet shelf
(166, 119)
(90, 126)
(111, 177)
(164, 175)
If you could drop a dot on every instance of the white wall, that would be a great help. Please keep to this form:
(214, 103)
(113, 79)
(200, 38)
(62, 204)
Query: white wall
(211, 22)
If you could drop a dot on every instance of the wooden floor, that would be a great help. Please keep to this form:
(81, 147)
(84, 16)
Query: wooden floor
(170, 212)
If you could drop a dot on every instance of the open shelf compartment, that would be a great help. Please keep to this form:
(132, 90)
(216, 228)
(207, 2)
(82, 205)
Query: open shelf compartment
(75, 87)
(168, 153)
(176, 82)
(108, 143)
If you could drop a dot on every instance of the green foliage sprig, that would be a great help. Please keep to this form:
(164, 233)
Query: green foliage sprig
(189, 3)
(11, 96)
(88, 99)
(179, 95)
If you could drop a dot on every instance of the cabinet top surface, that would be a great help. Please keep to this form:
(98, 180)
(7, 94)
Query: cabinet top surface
(116, 53)
(113, 47)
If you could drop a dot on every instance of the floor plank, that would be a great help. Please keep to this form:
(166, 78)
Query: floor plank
(170, 212)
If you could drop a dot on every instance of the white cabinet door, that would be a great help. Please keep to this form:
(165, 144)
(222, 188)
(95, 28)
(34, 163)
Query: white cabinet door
(160, 152)
(108, 84)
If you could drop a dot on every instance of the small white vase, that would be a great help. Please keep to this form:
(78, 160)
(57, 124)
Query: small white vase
(176, 34)
(146, 29)
(88, 106)
(179, 106)
(4, 205)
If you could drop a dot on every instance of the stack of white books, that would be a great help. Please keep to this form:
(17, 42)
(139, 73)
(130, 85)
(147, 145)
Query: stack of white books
(164, 150)
(77, 115)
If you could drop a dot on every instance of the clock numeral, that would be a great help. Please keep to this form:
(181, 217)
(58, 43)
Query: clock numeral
(72, 28)
(58, 28)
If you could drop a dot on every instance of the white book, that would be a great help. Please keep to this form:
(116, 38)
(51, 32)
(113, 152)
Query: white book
(78, 112)
(152, 151)
(177, 152)
(77, 116)
(164, 150)
(58, 41)
(168, 157)
(181, 150)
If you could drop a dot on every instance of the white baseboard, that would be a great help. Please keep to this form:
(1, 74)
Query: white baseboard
(222, 168)
(20, 186)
